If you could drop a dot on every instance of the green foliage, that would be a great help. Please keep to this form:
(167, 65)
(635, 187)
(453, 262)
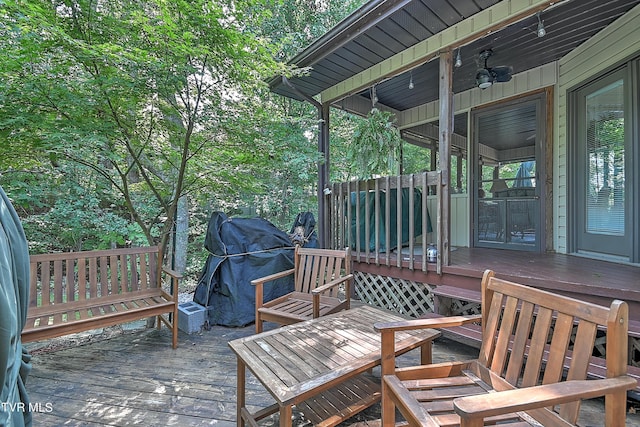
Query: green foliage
(65, 216)
(110, 111)
(375, 145)
(415, 159)
(153, 99)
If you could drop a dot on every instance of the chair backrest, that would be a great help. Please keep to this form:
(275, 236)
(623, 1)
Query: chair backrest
(532, 337)
(316, 267)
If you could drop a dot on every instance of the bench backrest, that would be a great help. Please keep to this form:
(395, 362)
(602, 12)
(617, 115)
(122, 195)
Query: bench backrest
(76, 276)
(531, 337)
(316, 267)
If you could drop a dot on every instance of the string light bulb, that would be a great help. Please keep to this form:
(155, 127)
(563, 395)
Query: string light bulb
(458, 62)
(541, 31)
(411, 85)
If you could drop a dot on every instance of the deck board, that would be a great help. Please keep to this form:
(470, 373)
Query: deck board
(131, 380)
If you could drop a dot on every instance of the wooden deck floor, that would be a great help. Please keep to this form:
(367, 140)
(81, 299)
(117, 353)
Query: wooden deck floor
(135, 378)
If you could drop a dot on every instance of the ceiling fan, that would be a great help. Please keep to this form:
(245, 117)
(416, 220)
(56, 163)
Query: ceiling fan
(487, 76)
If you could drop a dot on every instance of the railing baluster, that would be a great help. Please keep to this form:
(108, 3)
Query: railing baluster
(425, 222)
(340, 207)
(387, 212)
(351, 218)
(358, 219)
(367, 223)
(412, 230)
(376, 213)
(399, 221)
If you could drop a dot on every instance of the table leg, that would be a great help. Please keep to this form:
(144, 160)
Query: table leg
(426, 353)
(286, 413)
(240, 387)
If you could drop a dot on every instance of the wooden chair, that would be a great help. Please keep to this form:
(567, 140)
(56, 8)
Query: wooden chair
(531, 370)
(318, 275)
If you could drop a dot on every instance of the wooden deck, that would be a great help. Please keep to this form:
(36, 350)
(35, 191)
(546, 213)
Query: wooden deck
(135, 378)
(584, 278)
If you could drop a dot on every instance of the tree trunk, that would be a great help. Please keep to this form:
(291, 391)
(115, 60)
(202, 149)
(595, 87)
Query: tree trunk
(182, 234)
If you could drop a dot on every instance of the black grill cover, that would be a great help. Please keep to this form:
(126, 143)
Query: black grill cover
(241, 250)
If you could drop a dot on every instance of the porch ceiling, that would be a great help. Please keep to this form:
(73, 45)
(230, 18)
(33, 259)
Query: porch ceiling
(381, 29)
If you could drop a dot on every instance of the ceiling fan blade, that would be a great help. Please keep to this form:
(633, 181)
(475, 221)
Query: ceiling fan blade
(502, 73)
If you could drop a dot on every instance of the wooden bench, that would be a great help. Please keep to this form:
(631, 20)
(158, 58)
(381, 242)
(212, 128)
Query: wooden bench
(78, 291)
(510, 381)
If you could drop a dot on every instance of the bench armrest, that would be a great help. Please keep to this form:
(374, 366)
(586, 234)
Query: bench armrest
(174, 279)
(172, 272)
(440, 322)
(524, 399)
(332, 284)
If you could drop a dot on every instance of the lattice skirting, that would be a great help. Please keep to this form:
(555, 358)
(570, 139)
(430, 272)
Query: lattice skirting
(634, 351)
(415, 299)
(402, 296)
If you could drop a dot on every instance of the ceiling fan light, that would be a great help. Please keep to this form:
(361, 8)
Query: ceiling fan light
(484, 79)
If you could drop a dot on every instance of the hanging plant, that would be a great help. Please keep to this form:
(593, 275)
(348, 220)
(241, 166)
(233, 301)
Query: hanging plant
(375, 146)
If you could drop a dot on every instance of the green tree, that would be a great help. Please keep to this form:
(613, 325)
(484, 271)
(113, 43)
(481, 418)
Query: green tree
(154, 99)
(289, 180)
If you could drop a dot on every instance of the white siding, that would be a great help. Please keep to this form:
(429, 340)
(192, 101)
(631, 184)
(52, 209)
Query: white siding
(459, 219)
(614, 44)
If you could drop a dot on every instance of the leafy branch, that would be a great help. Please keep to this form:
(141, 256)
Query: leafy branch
(375, 147)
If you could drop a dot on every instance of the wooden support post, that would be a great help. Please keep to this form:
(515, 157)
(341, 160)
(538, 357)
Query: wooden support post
(445, 132)
(324, 216)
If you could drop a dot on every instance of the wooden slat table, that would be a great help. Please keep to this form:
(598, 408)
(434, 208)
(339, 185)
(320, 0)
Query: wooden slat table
(319, 365)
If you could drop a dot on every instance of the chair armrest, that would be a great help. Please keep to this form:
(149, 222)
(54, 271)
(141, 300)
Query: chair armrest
(524, 399)
(331, 284)
(258, 283)
(388, 330)
(441, 322)
(271, 277)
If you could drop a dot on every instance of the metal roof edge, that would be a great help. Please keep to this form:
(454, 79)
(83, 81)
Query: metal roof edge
(363, 18)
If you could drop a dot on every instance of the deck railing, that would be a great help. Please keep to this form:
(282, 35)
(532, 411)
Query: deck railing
(383, 218)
